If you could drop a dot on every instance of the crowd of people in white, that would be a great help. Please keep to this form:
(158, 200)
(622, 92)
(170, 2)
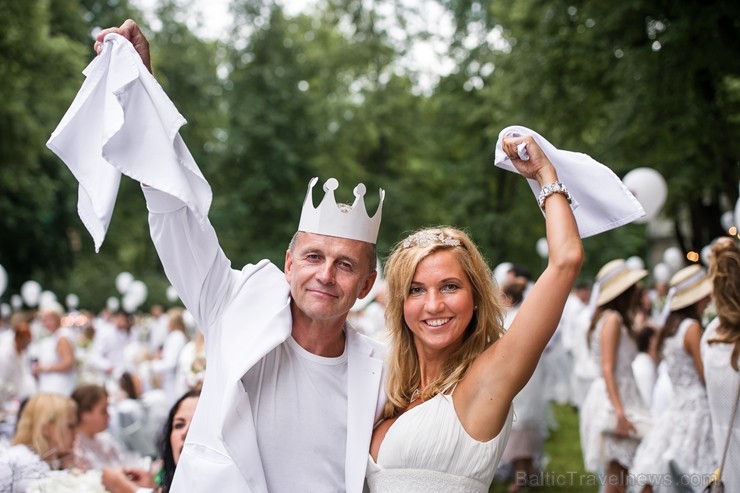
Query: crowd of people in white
(123, 373)
(630, 357)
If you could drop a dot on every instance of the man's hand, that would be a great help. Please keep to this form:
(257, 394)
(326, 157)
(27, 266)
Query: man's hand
(131, 31)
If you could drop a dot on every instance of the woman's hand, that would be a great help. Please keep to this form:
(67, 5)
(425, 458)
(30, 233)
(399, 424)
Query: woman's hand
(117, 480)
(131, 31)
(538, 167)
(624, 428)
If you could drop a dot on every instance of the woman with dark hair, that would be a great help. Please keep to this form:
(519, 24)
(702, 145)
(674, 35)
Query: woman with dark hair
(117, 480)
(94, 448)
(608, 430)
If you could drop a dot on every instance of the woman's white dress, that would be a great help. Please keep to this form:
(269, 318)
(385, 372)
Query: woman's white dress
(60, 382)
(722, 384)
(427, 450)
(683, 433)
(601, 448)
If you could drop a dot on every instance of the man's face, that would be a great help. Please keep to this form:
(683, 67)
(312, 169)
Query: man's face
(327, 274)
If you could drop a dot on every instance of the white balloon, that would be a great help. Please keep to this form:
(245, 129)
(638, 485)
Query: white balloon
(661, 272)
(130, 302)
(499, 273)
(112, 304)
(172, 295)
(3, 280)
(635, 263)
(705, 254)
(673, 258)
(542, 248)
(123, 281)
(5, 310)
(138, 292)
(72, 301)
(30, 292)
(727, 220)
(649, 188)
(47, 298)
(16, 302)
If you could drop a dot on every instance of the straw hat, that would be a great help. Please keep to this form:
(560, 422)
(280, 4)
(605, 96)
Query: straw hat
(614, 279)
(689, 285)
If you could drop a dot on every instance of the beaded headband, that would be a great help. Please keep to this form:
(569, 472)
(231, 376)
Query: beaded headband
(426, 238)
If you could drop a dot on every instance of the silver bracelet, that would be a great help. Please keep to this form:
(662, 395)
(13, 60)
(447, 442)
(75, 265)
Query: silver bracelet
(550, 189)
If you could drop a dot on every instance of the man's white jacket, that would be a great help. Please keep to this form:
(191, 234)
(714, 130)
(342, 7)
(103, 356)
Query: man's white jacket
(245, 314)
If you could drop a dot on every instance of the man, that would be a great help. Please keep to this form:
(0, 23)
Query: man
(291, 392)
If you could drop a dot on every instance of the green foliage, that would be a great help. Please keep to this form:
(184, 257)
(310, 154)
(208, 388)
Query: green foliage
(325, 93)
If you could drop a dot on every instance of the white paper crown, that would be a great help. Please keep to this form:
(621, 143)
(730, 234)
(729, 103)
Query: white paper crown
(328, 219)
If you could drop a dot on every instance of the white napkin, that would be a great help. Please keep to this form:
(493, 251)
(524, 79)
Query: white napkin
(600, 200)
(122, 122)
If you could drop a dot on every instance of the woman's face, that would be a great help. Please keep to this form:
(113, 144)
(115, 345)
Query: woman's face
(96, 419)
(180, 426)
(440, 304)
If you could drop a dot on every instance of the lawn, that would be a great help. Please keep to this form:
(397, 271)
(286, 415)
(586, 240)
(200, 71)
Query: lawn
(563, 471)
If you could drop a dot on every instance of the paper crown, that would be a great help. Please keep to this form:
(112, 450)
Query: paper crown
(331, 219)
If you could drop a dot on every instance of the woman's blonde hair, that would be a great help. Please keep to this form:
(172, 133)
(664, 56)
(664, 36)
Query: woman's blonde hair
(42, 410)
(724, 270)
(485, 328)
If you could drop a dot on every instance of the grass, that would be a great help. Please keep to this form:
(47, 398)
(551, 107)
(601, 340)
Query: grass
(564, 463)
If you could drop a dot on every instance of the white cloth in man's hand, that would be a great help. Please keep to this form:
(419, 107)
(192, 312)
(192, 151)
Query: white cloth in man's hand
(600, 200)
(122, 122)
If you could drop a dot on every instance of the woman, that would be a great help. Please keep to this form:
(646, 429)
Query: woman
(525, 446)
(94, 449)
(43, 442)
(720, 353)
(55, 369)
(170, 447)
(165, 367)
(609, 416)
(692, 450)
(445, 325)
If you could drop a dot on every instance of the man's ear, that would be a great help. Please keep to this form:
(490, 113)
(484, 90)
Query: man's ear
(369, 281)
(288, 265)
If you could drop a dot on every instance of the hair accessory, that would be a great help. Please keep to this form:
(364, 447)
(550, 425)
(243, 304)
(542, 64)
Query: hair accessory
(550, 189)
(351, 222)
(426, 238)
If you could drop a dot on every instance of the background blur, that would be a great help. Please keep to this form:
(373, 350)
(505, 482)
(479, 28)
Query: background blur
(337, 89)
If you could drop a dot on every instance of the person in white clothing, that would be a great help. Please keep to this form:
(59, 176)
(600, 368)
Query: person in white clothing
(453, 372)
(165, 365)
(720, 354)
(111, 344)
(15, 370)
(158, 325)
(291, 391)
(55, 369)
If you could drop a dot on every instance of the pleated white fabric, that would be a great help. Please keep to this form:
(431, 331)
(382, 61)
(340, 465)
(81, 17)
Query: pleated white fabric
(601, 201)
(122, 122)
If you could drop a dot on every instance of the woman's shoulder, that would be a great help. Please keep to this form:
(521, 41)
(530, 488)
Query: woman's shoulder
(20, 455)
